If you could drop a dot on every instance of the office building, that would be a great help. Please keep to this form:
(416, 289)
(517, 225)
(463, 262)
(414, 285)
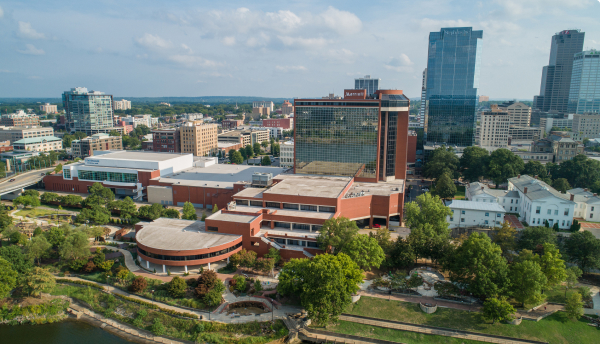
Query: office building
(246, 136)
(287, 108)
(121, 104)
(584, 95)
(286, 154)
(258, 112)
(136, 120)
(556, 76)
(484, 99)
(524, 133)
(199, 138)
(98, 142)
(166, 140)
(518, 113)
(586, 127)
(360, 136)
(561, 146)
(453, 65)
(88, 112)
(494, 129)
(559, 124)
(13, 134)
(19, 119)
(48, 108)
(264, 104)
(284, 123)
(366, 83)
(38, 144)
(231, 123)
(421, 118)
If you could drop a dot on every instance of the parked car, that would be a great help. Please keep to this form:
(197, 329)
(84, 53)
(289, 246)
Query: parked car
(12, 180)
(376, 225)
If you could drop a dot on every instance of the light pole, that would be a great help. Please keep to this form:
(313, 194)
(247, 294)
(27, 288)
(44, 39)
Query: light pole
(152, 296)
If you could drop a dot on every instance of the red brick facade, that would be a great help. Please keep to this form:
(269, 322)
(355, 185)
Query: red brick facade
(285, 123)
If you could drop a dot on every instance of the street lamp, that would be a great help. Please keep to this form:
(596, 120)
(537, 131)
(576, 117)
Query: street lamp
(152, 296)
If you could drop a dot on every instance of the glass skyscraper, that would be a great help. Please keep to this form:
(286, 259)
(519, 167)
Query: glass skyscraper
(584, 96)
(88, 112)
(556, 76)
(366, 83)
(453, 66)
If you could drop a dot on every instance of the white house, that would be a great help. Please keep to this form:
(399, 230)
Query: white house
(587, 204)
(475, 214)
(479, 192)
(540, 202)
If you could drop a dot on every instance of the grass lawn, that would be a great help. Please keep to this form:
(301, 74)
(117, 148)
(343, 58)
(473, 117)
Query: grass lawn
(54, 206)
(460, 192)
(35, 212)
(363, 330)
(554, 329)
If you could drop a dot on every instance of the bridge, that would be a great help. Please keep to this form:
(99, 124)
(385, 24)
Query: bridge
(21, 181)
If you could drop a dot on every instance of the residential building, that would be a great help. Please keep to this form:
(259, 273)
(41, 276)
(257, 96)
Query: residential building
(474, 214)
(540, 202)
(484, 99)
(453, 67)
(231, 123)
(121, 104)
(5, 146)
(124, 127)
(557, 75)
(587, 205)
(166, 140)
(13, 134)
(136, 120)
(264, 104)
(286, 154)
(287, 108)
(363, 137)
(258, 112)
(169, 105)
(199, 138)
(38, 144)
(584, 96)
(366, 83)
(494, 129)
(586, 126)
(88, 112)
(245, 136)
(546, 124)
(519, 113)
(20, 119)
(98, 142)
(48, 108)
(479, 192)
(563, 147)
(192, 116)
(284, 123)
(147, 145)
(524, 133)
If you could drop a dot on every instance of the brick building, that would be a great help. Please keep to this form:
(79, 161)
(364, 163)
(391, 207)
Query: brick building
(231, 123)
(97, 142)
(166, 140)
(285, 123)
(20, 119)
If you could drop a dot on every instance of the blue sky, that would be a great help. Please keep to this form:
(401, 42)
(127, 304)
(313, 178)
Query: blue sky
(270, 48)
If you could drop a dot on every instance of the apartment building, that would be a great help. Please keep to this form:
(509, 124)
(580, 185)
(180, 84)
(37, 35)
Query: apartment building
(286, 154)
(97, 142)
(494, 129)
(199, 138)
(231, 123)
(264, 104)
(285, 123)
(17, 133)
(257, 112)
(48, 108)
(121, 104)
(90, 112)
(524, 133)
(563, 147)
(166, 140)
(38, 144)
(19, 119)
(287, 108)
(518, 113)
(136, 120)
(245, 137)
(586, 127)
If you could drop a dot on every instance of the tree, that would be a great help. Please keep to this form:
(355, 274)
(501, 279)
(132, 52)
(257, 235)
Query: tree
(336, 233)
(237, 158)
(37, 248)
(16, 237)
(31, 192)
(239, 283)
(170, 213)
(427, 220)
(177, 287)
(444, 187)
(497, 309)
(231, 154)
(99, 195)
(534, 237)
(441, 161)
(265, 265)
(58, 168)
(364, 251)
(249, 151)
(583, 249)
(473, 162)
(573, 273)
(575, 226)
(16, 258)
(106, 265)
(561, 184)
(151, 212)
(574, 306)
(478, 264)
(242, 152)
(535, 168)
(266, 161)
(503, 164)
(247, 259)
(384, 239)
(215, 208)
(324, 284)
(128, 208)
(138, 285)
(189, 212)
(214, 297)
(55, 236)
(402, 254)
(275, 149)
(206, 282)
(264, 144)
(27, 201)
(89, 267)
(505, 239)
(96, 214)
(98, 257)
(123, 275)
(579, 171)
(274, 254)
(37, 280)
(48, 197)
(8, 278)
(75, 246)
(256, 148)
(527, 281)
(552, 265)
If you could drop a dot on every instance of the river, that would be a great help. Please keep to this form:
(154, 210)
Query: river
(65, 332)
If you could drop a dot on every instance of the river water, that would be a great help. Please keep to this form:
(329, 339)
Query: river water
(65, 332)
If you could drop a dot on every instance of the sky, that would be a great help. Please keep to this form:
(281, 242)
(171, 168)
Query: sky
(305, 48)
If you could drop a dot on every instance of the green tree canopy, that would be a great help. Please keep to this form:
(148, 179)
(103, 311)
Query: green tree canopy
(237, 158)
(189, 212)
(324, 284)
(442, 160)
(473, 162)
(505, 238)
(75, 246)
(561, 184)
(580, 172)
(26, 201)
(176, 288)
(535, 168)
(98, 195)
(574, 306)
(503, 164)
(256, 148)
(427, 220)
(18, 260)
(364, 251)
(8, 278)
(336, 233)
(401, 255)
(583, 249)
(444, 187)
(497, 309)
(249, 151)
(527, 281)
(534, 237)
(37, 280)
(37, 248)
(266, 161)
(552, 265)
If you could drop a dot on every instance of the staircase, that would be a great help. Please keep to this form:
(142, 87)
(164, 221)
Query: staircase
(272, 243)
(308, 254)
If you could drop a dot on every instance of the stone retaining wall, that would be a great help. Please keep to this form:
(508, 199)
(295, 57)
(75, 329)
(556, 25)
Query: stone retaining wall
(428, 309)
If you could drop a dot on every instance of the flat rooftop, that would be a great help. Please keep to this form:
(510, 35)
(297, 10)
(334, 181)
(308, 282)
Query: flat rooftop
(219, 216)
(285, 212)
(308, 185)
(376, 189)
(180, 235)
(137, 156)
(218, 175)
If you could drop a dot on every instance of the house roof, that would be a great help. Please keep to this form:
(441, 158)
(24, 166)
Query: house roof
(478, 188)
(470, 205)
(40, 139)
(536, 189)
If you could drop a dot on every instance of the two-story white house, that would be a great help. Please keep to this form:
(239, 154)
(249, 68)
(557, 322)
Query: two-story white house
(587, 204)
(540, 202)
(479, 192)
(475, 214)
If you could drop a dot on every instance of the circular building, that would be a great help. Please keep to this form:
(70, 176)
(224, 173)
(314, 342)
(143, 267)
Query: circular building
(182, 243)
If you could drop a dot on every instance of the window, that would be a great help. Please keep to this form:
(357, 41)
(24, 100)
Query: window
(256, 203)
(556, 212)
(312, 244)
(282, 225)
(462, 212)
(549, 211)
(487, 214)
(498, 215)
(510, 208)
(280, 241)
(308, 207)
(293, 242)
(516, 201)
(108, 176)
(512, 200)
(486, 222)
(272, 205)
(451, 219)
(66, 174)
(538, 209)
(290, 206)
(241, 202)
(563, 223)
(324, 209)
(301, 226)
(591, 216)
(566, 211)
(212, 229)
(592, 209)
(462, 219)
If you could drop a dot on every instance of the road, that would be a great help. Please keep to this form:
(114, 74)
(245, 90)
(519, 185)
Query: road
(22, 180)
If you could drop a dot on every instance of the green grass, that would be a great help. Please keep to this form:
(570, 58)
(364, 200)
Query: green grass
(554, 329)
(54, 206)
(35, 212)
(363, 330)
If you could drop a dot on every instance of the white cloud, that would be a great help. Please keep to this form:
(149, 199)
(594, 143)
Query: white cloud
(284, 21)
(193, 61)
(28, 32)
(400, 64)
(229, 40)
(1, 12)
(300, 42)
(429, 24)
(535, 7)
(291, 68)
(153, 42)
(31, 50)
(342, 22)
(187, 49)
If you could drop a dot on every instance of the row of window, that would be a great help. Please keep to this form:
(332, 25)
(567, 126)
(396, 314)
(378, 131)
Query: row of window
(549, 211)
(540, 221)
(297, 226)
(307, 207)
(192, 257)
(107, 176)
(292, 242)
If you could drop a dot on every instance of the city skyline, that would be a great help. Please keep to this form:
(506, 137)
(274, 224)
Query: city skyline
(275, 49)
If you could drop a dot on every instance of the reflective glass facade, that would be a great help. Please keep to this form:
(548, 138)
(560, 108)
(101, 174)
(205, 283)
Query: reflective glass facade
(86, 111)
(336, 138)
(584, 96)
(453, 67)
(107, 176)
(366, 83)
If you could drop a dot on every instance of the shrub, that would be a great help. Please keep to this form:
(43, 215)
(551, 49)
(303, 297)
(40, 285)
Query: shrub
(89, 267)
(213, 298)
(158, 328)
(206, 282)
(240, 283)
(177, 287)
(89, 284)
(138, 285)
